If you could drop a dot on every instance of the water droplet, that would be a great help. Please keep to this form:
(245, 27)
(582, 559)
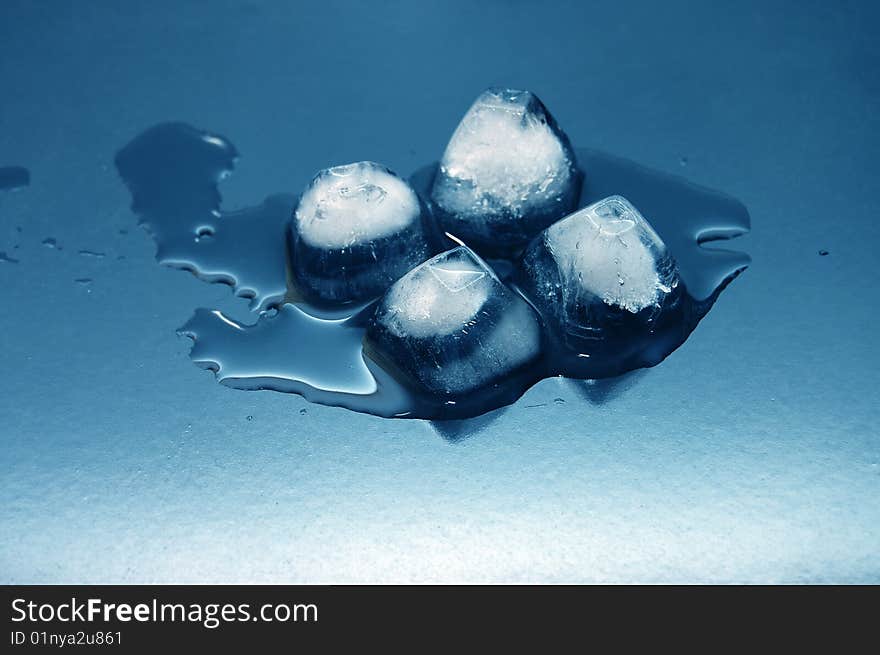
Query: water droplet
(6, 258)
(204, 233)
(249, 417)
(83, 281)
(823, 253)
(303, 412)
(49, 242)
(683, 161)
(92, 253)
(559, 401)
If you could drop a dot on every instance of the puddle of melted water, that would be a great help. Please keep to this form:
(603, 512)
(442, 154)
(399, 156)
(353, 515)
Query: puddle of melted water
(294, 352)
(173, 171)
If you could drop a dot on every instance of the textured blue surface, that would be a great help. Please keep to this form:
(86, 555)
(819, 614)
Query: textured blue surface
(750, 454)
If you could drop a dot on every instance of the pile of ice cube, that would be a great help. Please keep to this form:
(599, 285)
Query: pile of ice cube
(587, 282)
(356, 229)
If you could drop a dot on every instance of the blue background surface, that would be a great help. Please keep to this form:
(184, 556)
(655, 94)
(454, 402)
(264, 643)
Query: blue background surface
(750, 455)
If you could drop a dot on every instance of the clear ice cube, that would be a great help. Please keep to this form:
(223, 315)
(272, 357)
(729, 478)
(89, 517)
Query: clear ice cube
(452, 327)
(356, 229)
(603, 281)
(507, 173)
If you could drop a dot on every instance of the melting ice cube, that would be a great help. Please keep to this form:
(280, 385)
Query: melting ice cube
(356, 229)
(452, 327)
(507, 173)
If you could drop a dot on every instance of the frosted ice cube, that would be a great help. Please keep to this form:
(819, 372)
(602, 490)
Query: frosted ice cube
(452, 327)
(356, 229)
(602, 279)
(507, 173)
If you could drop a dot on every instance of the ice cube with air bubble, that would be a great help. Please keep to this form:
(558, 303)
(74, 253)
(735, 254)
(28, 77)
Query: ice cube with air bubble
(450, 327)
(607, 288)
(355, 230)
(508, 172)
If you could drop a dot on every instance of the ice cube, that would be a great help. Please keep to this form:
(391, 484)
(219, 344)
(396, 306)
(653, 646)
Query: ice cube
(452, 327)
(356, 229)
(604, 283)
(508, 172)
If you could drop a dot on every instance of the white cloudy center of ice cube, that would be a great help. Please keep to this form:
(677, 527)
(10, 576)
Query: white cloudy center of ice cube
(355, 203)
(610, 251)
(504, 151)
(442, 296)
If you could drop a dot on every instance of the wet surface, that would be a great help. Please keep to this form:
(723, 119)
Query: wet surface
(173, 171)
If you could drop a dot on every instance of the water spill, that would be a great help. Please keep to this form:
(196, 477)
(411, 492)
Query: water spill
(173, 171)
(14, 177)
(293, 352)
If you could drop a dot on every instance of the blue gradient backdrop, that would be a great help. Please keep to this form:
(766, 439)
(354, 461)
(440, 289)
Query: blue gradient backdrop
(750, 455)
